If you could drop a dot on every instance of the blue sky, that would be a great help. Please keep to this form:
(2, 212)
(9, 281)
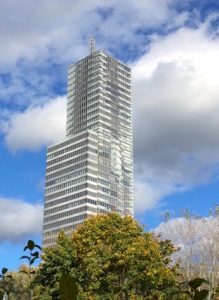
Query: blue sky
(172, 47)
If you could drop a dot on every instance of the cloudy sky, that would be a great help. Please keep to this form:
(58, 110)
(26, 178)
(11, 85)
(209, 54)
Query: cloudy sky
(172, 47)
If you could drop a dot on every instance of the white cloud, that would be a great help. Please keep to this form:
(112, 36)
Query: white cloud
(127, 23)
(19, 219)
(176, 100)
(175, 83)
(32, 29)
(147, 196)
(37, 126)
(176, 111)
(36, 36)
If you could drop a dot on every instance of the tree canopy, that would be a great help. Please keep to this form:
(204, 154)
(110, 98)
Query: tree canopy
(111, 257)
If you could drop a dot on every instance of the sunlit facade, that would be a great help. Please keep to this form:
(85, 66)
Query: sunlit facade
(92, 170)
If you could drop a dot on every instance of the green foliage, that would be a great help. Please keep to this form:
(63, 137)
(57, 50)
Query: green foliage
(192, 290)
(68, 289)
(1, 294)
(32, 255)
(201, 295)
(196, 283)
(57, 260)
(112, 258)
(4, 270)
(194, 286)
(108, 257)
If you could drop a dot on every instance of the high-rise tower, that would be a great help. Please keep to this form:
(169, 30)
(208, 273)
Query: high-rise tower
(91, 171)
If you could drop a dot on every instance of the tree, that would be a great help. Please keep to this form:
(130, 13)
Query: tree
(56, 261)
(6, 283)
(19, 285)
(112, 258)
(198, 239)
(16, 284)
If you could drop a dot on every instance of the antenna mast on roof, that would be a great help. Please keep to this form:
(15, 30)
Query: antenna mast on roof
(92, 44)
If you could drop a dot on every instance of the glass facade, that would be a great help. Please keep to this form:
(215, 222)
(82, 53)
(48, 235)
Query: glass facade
(92, 170)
